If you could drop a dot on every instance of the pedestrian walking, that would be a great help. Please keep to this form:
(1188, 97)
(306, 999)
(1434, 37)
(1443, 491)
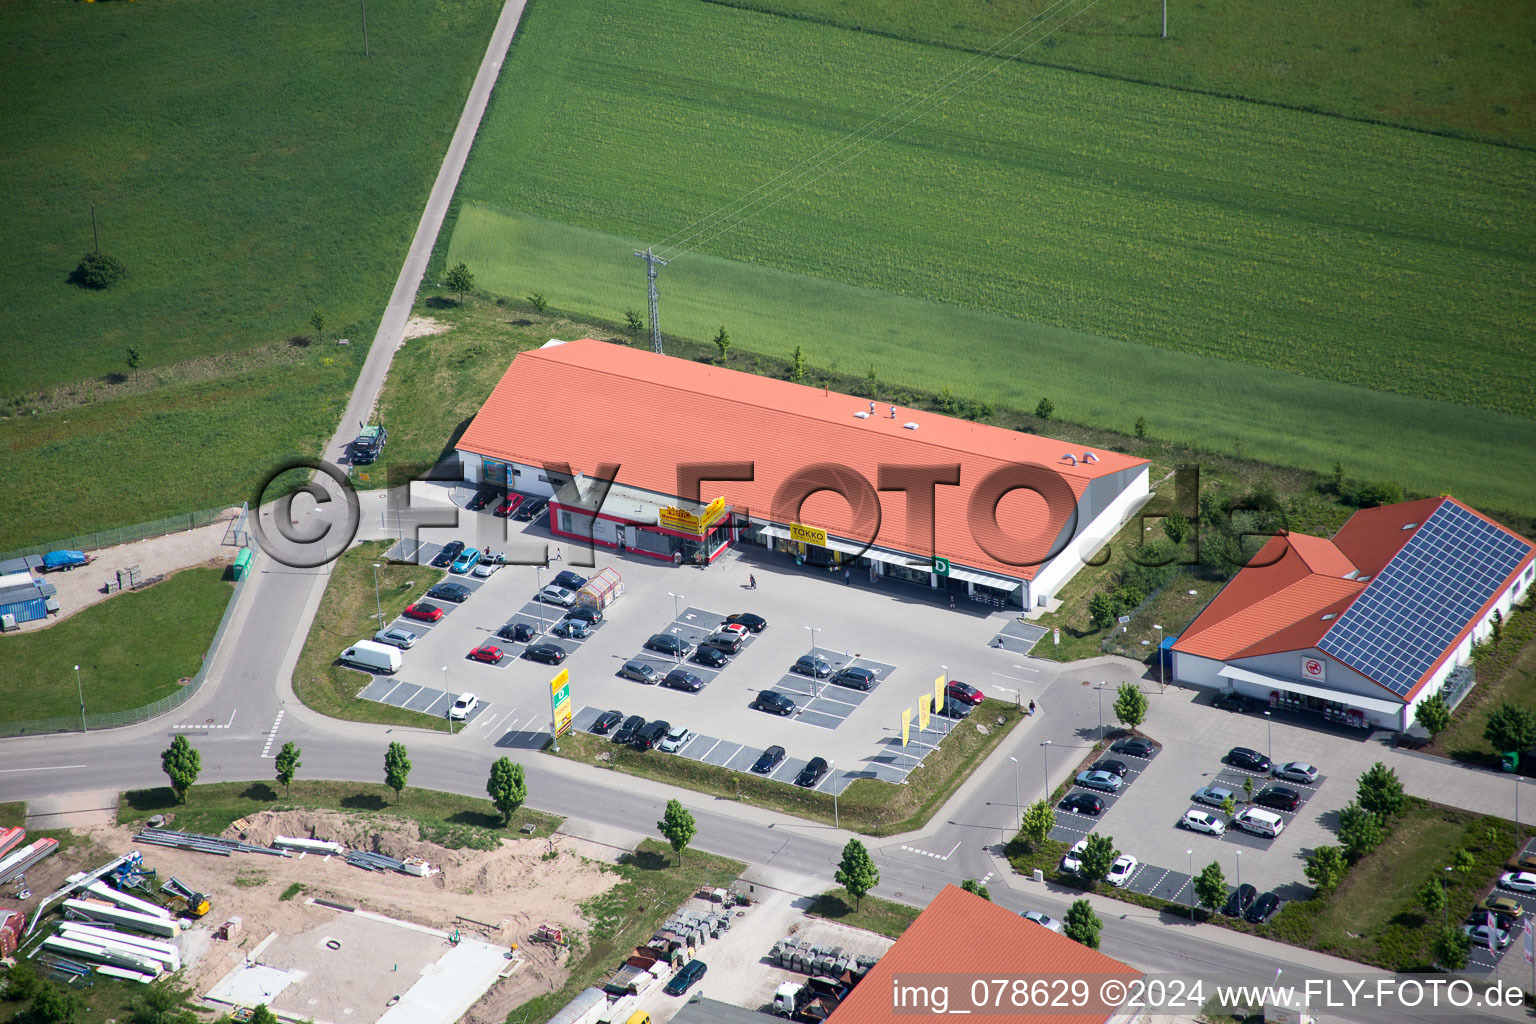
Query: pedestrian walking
(1031, 707)
(848, 577)
(558, 556)
(751, 582)
(951, 602)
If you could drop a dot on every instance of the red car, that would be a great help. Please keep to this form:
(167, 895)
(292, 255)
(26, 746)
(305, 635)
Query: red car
(423, 611)
(965, 692)
(509, 505)
(488, 654)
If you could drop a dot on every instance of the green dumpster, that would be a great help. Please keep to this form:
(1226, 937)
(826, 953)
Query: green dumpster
(1509, 760)
(242, 563)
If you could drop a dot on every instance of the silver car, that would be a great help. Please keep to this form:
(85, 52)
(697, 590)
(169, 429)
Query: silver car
(395, 636)
(1107, 781)
(675, 740)
(1215, 796)
(640, 672)
(1043, 920)
(1297, 771)
(557, 595)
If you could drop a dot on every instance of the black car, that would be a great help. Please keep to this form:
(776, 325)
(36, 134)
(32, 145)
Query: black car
(768, 760)
(586, 613)
(812, 665)
(811, 775)
(1279, 797)
(1242, 757)
(714, 657)
(728, 643)
(632, 725)
(682, 679)
(531, 510)
(569, 580)
(446, 556)
(1263, 909)
(1241, 899)
(855, 678)
(683, 980)
(1135, 746)
(652, 734)
(772, 700)
(666, 643)
(754, 623)
(1083, 803)
(519, 632)
(606, 721)
(481, 499)
(954, 708)
(1109, 764)
(455, 592)
(550, 654)
(1230, 701)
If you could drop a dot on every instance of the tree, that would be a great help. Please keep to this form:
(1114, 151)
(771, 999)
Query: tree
(723, 343)
(677, 827)
(1097, 858)
(397, 768)
(1380, 792)
(1338, 476)
(181, 763)
(507, 788)
(21, 982)
(1141, 427)
(460, 281)
(1176, 526)
(1511, 728)
(52, 1005)
(317, 321)
(1433, 716)
(975, 888)
(1045, 409)
(856, 872)
(1326, 867)
(1131, 705)
(1463, 861)
(163, 1004)
(872, 380)
(633, 322)
(133, 360)
(1039, 819)
(1082, 924)
(1432, 897)
(1359, 830)
(1210, 886)
(797, 365)
(538, 302)
(1228, 806)
(98, 270)
(1248, 790)
(1102, 609)
(288, 764)
(1496, 627)
(1450, 948)
(262, 1015)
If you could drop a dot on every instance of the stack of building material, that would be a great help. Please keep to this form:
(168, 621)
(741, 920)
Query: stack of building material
(106, 913)
(202, 844)
(18, 863)
(165, 953)
(101, 890)
(10, 838)
(376, 862)
(308, 845)
(113, 955)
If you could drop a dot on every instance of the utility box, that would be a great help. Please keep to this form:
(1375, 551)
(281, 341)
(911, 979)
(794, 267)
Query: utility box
(242, 563)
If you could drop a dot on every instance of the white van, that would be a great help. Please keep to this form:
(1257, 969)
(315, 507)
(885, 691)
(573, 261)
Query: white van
(1260, 823)
(372, 656)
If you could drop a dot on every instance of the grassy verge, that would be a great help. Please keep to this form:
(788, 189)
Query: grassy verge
(13, 813)
(348, 613)
(447, 819)
(628, 914)
(1507, 677)
(872, 913)
(132, 650)
(868, 806)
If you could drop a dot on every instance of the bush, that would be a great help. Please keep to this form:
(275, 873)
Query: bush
(99, 270)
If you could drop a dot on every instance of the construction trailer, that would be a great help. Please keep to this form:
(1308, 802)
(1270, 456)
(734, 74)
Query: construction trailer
(586, 1008)
(11, 926)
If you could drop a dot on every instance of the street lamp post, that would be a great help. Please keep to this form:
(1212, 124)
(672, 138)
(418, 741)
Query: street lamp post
(450, 710)
(376, 599)
(1518, 780)
(676, 614)
(1191, 852)
(1018, 803)
(1269, 732)
(831, 773)
(1100, 688)
(1159, 656)
(80, 687)
(538, 582)
(1445, 904)
(815, 676)
(1239, 873)
(1045, 750)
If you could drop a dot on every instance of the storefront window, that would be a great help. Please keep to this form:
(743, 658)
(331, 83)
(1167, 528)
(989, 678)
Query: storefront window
(648, 540)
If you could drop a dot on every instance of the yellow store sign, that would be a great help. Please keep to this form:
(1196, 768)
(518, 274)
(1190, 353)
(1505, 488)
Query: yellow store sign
(807, 535)
(683, 521)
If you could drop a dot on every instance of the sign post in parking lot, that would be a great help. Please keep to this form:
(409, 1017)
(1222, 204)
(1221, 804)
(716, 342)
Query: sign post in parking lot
(560, 706)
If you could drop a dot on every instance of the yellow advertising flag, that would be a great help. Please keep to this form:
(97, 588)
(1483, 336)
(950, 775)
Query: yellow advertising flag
(938, 692)
(906, 725)
(923, 704)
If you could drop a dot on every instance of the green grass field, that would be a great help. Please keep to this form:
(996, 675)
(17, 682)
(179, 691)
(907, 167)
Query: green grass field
(1441, 67)
(131, 649)
(1384, 258)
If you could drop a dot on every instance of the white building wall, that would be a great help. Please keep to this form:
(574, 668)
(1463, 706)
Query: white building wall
(1055, 573)
(1198, 671)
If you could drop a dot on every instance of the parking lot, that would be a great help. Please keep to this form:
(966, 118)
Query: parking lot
(1481, 959)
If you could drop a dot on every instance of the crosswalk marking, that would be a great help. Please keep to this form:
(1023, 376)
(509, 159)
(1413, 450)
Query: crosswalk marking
(266, 751)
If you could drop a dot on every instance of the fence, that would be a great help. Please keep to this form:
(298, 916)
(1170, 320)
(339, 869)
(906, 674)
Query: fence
(116, 719)
(129, 534)
(1126, 638)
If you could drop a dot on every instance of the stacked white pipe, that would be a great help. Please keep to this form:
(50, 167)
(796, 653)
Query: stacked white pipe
(164, 952)
(91, 910)
(308, 845)
(112, 956)
(104, 891)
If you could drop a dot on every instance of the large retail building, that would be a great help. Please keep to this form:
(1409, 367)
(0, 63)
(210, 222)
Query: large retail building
(702, 457)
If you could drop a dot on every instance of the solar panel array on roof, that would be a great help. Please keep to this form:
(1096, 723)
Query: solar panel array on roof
(1415, 608)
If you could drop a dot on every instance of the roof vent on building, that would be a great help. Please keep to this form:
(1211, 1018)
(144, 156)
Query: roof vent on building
(861, 414)
(1362, 579)
(1352, 574)
(1409, 526)
(910, 426)
(1090, 457)
(1069, 457)
(893, 412)
(1330, 615)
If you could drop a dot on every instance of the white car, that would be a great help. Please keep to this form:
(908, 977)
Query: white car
(1043, 921)
(486, 569)
(558, 595)
(1122, 869)
(675, 739)
(395, 636)
(1200, 821)
(1518, 881)
(1487, 938)
(1297, 771)
(466, 703)
(1073, 861)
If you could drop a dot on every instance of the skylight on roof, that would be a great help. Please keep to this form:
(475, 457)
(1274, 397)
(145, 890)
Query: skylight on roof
(1409, 526)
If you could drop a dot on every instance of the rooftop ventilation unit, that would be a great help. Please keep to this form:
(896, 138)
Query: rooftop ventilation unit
(910, 426)
(1362, 579)
(1330, 615)
(1352, 574)
(893, 412)
(861, 414)
(1090, 457)
(1409, 526)
(1069, 457)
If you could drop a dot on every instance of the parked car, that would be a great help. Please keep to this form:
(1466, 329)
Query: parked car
(640, 672)
(606, 721)
(572, 629)
(1297, 771)
(1073, 859)
(1504, 906)
(755, 623)
(1200, 821)
(726, 643)
(1135, 746)
(467, 560)
(550, 654)
(1518, 881)
(423, 612)
(772, 700)
(1109, 764)
(1263, 909)
(952, 708)
(676, 737)
(1121, 870)
(1232, 701)
(682, 679)
(669, 644)
(569, 580)
(1083, 803)
(965, 692)
(1043, 920)
(1215, 796)
(684, 979)
(586, 613)
(395, 636)
(1240, 900)
(812, 665)
(626, 732)
(531, 510)
(1243, 757)
(855, 678)
(1524, 862)
(1109, 782)
(482, 498)
(713, 657)
(553, 594)
(811, 775)
(509, 504)
(466, 703)
(1486, 937)
(768, 760)
(518, 632)
(1278, 797)
(445, 557)
(485, 570)
(734, 627)
(455, 592)
(487, 653)
(651, 735)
